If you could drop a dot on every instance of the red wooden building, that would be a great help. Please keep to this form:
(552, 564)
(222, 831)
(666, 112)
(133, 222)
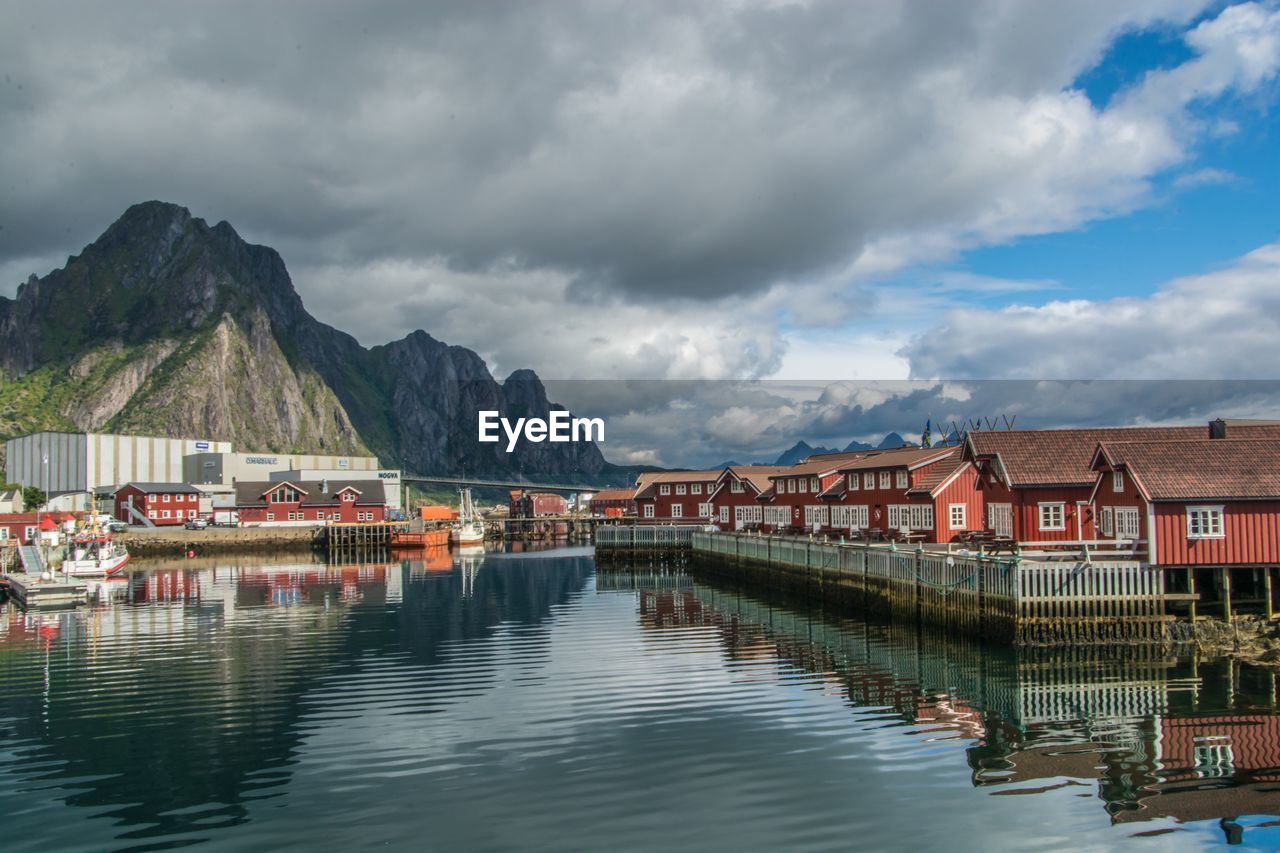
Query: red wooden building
(665, 497)
(524, 504)
(923, 490)
(1037, 484)
(734, 500)
(161, 504)
(620, 502)
(23, 526)
(792, 503)
(300, 502)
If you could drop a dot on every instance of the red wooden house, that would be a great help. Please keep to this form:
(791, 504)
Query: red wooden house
(161, 504)
(924, 490)
(524, 504)
(23, 527)
(613, 502)
(792, 503)
(734, 501)
(299, 502)
(665, 497)
(1037, 484)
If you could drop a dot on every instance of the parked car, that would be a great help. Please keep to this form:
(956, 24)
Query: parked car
(196, 524)
(117, 526)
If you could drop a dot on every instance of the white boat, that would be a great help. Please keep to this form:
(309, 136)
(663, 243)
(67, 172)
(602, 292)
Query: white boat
(469, 529)
(94, 555)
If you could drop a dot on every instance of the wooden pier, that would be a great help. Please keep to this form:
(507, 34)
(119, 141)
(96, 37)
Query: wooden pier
(33, 591)
(1028, 602)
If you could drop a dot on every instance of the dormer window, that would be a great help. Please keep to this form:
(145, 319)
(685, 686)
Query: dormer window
(1117, 481)
(285, 495)
(735, 486)
(348, 496)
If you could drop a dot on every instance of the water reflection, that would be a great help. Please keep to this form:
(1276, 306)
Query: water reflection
(518, 699)
(1152, 736)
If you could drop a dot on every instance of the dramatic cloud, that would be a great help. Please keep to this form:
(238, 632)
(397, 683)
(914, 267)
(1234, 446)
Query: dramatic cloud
(1222, 325)
(711, 175)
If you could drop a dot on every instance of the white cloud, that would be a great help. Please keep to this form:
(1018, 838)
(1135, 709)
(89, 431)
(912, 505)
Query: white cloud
(1220, 325)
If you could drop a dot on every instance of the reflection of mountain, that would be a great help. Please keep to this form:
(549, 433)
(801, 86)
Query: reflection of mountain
(186, 700)
(1154, 737)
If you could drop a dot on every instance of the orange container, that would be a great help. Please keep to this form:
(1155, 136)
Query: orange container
(437, 513)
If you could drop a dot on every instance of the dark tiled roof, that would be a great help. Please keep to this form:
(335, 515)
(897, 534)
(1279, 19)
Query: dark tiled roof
(163, 488)
(758, 475)
(938, 474)
(1207, 469)
(613, 495)
(819, 465)
(1062, 457)
(252, 493)
(906, 457)
(646, 482)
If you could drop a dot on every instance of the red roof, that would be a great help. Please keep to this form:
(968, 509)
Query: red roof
(613, 495)
(1207, 469)
(1064, 457)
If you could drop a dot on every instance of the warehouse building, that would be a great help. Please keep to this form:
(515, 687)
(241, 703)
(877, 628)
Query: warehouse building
(227, 468)
(83, 462)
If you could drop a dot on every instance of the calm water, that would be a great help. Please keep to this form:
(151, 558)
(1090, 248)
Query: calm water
(523, 701)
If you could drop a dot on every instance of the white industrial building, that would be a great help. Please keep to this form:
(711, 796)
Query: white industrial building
(389, 478)
(226, 468)
(80, 462)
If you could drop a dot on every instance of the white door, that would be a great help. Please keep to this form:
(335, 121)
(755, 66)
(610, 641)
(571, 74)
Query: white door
(1000, 519)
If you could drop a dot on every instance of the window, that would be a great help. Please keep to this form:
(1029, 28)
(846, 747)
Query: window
(1000, 519)
(1204, 522)
(1106, 523)
(884, 479)
(803, 486)
(901, 479)
(271, 516)
(1127, 523)
(705, 511)
(664, 489)
(850, 517)
(349, 496)
(191, 513)
(735, 486)
(164, 514)
(29, 533)
(677, 510)
(724, 515)
(868, 480)
(648, 510)
(151, 513)
(284, 495)
(4, 534)
(164, 498)
(815, 515)
(910, 516)
(695, 489)
(293, 516)
(1117, 481)
(680, 488)
(777, 516)
(853, 482)
(748, 514)
(814, 486)
(956, 516)
(1053, 516)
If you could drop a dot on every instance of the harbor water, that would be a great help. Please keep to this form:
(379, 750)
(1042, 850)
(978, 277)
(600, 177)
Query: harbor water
(527, 701)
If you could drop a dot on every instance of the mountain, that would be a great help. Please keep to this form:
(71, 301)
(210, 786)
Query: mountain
(799, 451)
(891, 441)
(854, 446)
(167, 326)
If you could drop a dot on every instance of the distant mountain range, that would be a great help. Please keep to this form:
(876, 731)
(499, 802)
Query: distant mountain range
(802, 449)
(168, 326)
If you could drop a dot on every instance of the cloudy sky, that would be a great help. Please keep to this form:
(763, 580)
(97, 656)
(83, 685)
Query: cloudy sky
(737, 190)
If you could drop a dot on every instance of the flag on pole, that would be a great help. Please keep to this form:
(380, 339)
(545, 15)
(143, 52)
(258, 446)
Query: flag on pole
(924, 439)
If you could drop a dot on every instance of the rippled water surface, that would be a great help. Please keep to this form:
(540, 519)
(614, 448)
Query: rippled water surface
(525, 701)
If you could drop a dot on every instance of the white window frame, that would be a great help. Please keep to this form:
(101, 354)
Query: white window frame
(677, 510)
(1117, 482)
(724, 515)
(958, 516)
(735, 486)
(852, 480)
(29, 533)
(1128, 522)
(777, 516)
(664, 489)
(271, 516)
(815, 514)
(869, 480)
(901, 479)
(1106, 521)
(705, 510)
(164, 514)
(1213, 525)
(164, 498)
(1049, 506)
(681, 489)
(815, 485)
(1000, 509)
(696, 489)
(648, 510)
(4, 534)
(884, 479)
(803, 486)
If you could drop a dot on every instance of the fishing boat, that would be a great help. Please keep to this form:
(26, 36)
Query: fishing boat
(469, 529)
(94, 552)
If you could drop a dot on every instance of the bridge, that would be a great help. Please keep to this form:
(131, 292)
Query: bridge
(462, 482)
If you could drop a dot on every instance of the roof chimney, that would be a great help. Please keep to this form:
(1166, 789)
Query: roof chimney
(324, 486)
(1218, 428)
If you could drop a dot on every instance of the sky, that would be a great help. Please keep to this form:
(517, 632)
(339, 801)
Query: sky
(799, 192)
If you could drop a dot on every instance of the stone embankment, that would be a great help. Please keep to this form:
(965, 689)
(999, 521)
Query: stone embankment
(175, 541)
